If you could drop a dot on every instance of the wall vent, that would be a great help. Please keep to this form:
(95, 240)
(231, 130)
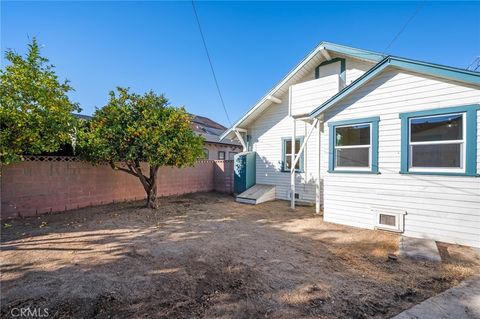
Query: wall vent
(387, 218)
(297, 195)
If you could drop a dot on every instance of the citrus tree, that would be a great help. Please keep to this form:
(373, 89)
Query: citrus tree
(35, 111)
(134, 128)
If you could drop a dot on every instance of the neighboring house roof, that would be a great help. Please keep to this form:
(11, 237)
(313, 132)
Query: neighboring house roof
(210, 130)
(465, 76)
(311, 60)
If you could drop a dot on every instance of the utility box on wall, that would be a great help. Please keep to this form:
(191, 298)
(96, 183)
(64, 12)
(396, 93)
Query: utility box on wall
(244, 171)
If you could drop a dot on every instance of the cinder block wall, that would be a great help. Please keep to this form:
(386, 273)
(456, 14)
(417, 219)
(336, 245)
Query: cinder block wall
(223, 176)
(33, 187)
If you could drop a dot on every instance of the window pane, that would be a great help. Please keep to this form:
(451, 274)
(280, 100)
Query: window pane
(288, 146)
(437, 155)
(353, 135)
(353, 157)
(297, 146)
(288, 163)
(439, 128)
(288, 153)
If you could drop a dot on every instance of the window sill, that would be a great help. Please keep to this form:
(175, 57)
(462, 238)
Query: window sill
(353, 172)
(440, 174)
(288, 171)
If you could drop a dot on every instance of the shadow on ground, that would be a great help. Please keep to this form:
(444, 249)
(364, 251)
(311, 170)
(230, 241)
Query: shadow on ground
(205, 256)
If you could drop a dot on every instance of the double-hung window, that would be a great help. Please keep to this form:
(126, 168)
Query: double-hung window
(441, 141)
(287, 158)
(437, 142)
(354, 146)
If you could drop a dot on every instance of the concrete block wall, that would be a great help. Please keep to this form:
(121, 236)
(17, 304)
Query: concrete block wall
(35, 187)
(223, 176)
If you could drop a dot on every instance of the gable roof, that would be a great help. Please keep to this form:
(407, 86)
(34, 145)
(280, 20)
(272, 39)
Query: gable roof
(312, 58)
(438, 70)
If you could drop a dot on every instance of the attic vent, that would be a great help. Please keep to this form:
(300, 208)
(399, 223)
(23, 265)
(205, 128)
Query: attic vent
(388, 219)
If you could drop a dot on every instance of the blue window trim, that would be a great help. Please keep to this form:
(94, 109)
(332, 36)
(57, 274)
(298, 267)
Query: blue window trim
(284, 139)
(343, 68)
(373, 121)
(470, 139)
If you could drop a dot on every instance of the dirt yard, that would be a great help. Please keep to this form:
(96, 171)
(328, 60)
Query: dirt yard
(205, 256)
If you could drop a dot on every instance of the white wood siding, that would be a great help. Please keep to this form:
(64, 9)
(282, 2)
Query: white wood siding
(274, 123)
(306, 96)
(267, 132)
(445, 208)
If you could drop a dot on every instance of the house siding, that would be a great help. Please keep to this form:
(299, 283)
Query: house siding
(267, 133)
(273, 124)
(445, 208)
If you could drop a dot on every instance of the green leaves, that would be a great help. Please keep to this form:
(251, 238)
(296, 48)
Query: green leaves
(134, 128)
(35, 111)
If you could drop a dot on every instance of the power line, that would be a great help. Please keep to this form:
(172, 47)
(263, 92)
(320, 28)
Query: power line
(475, 65)
(419, 7)
(210, 62)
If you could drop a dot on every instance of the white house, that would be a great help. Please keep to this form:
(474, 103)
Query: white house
(380, 142)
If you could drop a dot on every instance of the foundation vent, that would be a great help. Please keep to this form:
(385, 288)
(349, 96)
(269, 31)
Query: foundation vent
(386, 218)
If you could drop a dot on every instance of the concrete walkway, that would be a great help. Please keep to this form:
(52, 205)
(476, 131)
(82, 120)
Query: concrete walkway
(461, 302)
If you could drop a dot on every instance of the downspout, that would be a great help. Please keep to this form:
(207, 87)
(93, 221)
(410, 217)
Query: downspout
(292, 167)
(295, 159)
(319, 181)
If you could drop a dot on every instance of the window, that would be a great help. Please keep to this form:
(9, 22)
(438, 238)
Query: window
(354, 146)
(205, 153)
(437, 142)
(287, 158)
(441, 141)
(231, 155)
(221, 155)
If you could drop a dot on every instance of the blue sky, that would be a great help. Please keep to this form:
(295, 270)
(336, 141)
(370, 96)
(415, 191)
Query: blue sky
(156, 45)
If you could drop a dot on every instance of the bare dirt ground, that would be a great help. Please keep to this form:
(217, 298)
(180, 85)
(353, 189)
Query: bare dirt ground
(205, 256)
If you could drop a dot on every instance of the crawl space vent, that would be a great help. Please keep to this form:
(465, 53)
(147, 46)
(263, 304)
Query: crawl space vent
(388, 219)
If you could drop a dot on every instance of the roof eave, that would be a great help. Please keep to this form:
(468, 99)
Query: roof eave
(437, 70)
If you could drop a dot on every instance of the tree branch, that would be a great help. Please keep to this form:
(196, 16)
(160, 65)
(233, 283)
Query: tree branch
(113, 166)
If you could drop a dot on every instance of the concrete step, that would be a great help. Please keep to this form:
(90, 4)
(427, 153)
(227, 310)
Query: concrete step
(419, 249)
(257, 194)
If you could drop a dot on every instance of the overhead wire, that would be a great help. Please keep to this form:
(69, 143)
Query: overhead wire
(419, 7)
(210, 63)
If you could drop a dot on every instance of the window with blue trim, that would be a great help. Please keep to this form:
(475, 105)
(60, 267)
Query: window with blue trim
(440, 141)
(287, 158)
(354, 146)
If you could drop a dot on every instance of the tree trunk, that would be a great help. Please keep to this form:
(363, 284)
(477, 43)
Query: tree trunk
(152, 196)
(148, 183)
